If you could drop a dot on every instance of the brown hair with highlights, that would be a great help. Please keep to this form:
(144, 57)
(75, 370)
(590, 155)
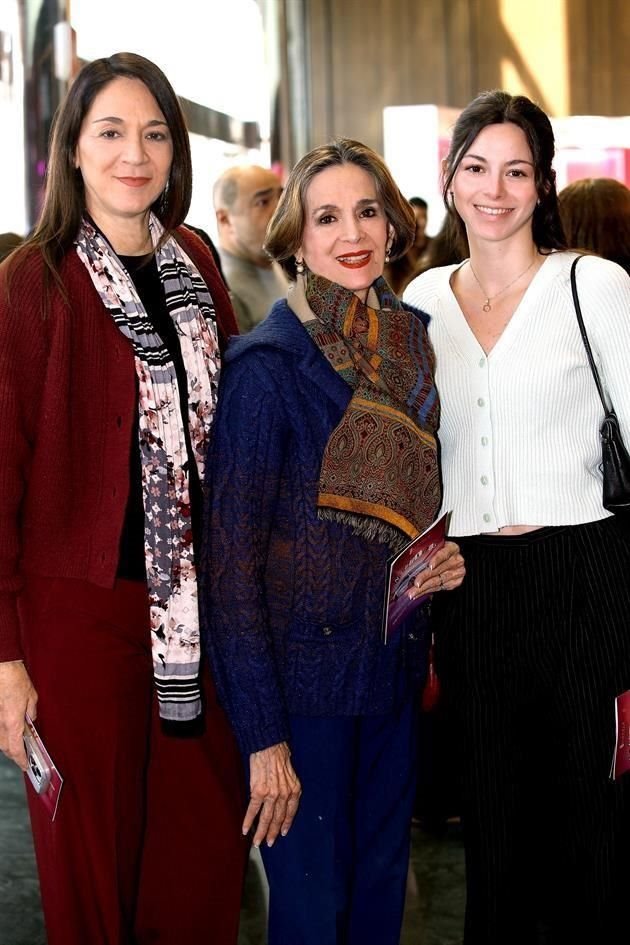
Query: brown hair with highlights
(284, 234)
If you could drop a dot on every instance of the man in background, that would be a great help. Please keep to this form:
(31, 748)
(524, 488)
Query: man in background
(245, 198)
(400, 272)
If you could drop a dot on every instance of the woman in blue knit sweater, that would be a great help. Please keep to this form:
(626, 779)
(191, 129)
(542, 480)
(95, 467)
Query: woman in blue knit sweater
(324, 464)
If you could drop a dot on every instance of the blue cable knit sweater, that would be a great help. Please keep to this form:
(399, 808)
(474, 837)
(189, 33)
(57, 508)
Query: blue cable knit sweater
(293, 605)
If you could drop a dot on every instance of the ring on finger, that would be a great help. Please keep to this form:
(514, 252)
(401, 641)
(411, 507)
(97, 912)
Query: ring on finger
(441, 582)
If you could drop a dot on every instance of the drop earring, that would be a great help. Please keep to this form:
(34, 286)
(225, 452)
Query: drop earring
(163, 198)
(388, 246)
(299, 267)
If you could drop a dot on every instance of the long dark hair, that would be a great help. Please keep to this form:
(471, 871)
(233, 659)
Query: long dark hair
(64, 201)
(286, 228)
(496, 108)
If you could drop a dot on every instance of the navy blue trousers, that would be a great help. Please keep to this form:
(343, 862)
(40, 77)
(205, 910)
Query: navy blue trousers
(339, 876)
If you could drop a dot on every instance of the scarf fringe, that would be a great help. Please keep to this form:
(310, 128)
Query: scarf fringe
(371, 529)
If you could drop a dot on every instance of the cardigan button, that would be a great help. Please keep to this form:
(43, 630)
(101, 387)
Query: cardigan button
(327, 631)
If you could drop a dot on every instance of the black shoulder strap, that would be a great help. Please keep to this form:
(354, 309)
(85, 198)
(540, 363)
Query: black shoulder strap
(587, 344)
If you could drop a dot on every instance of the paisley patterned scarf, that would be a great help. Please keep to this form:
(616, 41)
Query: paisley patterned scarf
(168, 545)
(380, 469)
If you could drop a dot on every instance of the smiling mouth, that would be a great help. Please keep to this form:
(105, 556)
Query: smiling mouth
(355, 260)
(493, 211)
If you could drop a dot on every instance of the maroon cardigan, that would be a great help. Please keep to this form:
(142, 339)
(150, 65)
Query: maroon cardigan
(67, 407)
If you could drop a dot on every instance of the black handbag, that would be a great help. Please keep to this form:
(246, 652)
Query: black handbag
(615, 460)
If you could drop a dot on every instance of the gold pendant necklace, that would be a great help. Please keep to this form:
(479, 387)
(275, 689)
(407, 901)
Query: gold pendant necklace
(490, 298)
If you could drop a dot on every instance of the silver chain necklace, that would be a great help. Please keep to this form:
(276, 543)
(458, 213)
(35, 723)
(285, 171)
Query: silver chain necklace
(490, 298)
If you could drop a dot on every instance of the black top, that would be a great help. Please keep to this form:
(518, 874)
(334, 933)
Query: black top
(131, 564)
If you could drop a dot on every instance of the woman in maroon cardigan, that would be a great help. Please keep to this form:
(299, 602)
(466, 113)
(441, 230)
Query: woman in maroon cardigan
(111, 319)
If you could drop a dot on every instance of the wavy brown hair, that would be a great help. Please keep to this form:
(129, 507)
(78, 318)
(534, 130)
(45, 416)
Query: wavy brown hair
(64, 199)
(496, 108)
(284, 234)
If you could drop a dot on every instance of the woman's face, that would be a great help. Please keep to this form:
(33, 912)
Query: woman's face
(494, 188)
(124, 153)
(345, 230)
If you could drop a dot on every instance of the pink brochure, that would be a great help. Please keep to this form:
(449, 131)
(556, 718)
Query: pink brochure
(41, 771)
(402, 570)
(621, 760)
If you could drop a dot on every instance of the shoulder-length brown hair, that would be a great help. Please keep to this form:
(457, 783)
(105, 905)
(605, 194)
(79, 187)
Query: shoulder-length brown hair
(284, 234)
(595, 213)
(64, 200)
(496, 108)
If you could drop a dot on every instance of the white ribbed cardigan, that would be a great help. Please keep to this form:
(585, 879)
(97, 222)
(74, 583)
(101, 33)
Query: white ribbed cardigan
(519, 428)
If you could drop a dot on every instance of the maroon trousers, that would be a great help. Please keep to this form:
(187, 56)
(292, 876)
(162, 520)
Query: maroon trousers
(146, 846)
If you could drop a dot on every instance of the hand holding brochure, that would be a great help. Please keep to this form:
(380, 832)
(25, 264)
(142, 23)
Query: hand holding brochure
(41, 770)
(401, 571)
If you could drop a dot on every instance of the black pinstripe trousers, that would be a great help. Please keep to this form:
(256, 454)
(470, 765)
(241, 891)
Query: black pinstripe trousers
(531, 652)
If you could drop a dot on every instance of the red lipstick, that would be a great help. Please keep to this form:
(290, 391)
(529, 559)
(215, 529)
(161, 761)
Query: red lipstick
(355, 260)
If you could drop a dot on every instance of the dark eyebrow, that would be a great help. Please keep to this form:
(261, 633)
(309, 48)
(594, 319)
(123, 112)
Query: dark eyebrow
(364, 202)
(478, 157)
(119, 121)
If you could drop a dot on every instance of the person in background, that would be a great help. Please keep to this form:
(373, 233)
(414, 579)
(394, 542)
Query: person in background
(448, 246)
(9, 242)
(595, 214)
(206, 239)
(437, 792)
(324, 464)
(420, 209)
(245, 197)
(534, 647)
(112, 316)
(399, 272)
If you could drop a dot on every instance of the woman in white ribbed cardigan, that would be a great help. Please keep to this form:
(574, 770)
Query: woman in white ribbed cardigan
(535, 646)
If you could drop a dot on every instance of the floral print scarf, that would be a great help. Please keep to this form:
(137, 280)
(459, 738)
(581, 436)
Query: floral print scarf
(169, 552)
